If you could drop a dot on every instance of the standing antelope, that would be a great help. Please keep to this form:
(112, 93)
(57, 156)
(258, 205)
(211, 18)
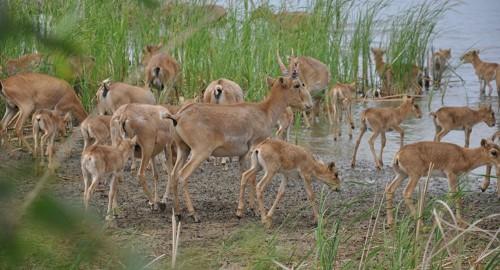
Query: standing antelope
(340, 101)
(386, 74)
(486, 183)
(95, 127)
(439, 64)
(276, 156)
(112, 95)
(27, 92)
(313, 73)
(381, 120)
(161, 70)
(99, 160)
(486, 72)
(461, 118)
(229, 130)
(384, 71)
(51, 123)
(450, 160)
(223, 91)
(154, 135)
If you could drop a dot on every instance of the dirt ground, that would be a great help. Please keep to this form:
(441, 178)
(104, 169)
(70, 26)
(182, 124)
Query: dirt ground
(215, 195)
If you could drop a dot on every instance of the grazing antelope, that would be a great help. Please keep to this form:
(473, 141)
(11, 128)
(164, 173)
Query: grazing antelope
(461, 118)
(154, 135)
(450, 160)
(381, 120)
(50, 123)
(111, 95)
(99, 160)
(284, 124)
(439, 64)
(95, 127)
(276, 156)
(26, 62)
(314, 74)
(486, 72)
(223, 91)
(161, 70)
(340, 101)
(27, 92)
(229, 130)
(386, 74)
(486, 183)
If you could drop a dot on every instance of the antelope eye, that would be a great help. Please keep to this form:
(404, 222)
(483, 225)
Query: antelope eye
(303, 85)
(494, 153)
(297, 86)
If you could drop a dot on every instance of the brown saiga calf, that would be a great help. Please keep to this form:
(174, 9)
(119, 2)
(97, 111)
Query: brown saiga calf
(381, 120)
(26, 92)
(450, 160)
(276, 156)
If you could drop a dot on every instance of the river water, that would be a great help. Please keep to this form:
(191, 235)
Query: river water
(469, 24)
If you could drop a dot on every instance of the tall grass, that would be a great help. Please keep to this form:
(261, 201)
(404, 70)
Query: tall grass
(241, 46)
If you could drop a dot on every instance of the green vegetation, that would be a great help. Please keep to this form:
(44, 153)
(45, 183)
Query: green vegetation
(46, 233)
(240, 46)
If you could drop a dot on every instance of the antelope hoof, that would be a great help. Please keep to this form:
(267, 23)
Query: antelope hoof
(195, 217)
(267, 222)
(178, 217)
(239, 213)
(482, 189)
(353, 164)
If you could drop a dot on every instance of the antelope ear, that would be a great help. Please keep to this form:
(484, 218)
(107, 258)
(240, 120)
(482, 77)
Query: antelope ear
(484, 142)
(270, 81)
(331, 166)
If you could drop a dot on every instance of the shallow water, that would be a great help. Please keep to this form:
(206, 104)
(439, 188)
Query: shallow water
(469, 24)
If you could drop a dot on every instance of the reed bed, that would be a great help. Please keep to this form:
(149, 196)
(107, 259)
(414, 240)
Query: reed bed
(240, 46)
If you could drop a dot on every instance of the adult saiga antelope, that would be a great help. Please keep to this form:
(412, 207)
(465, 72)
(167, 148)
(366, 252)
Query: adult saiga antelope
(162, 71)
(381, 120)
(111, 95)
(486, 72)
(461, 118)
(26, 92)
(154, 136)
(229, 130)
(450, 160)
(313, 73)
